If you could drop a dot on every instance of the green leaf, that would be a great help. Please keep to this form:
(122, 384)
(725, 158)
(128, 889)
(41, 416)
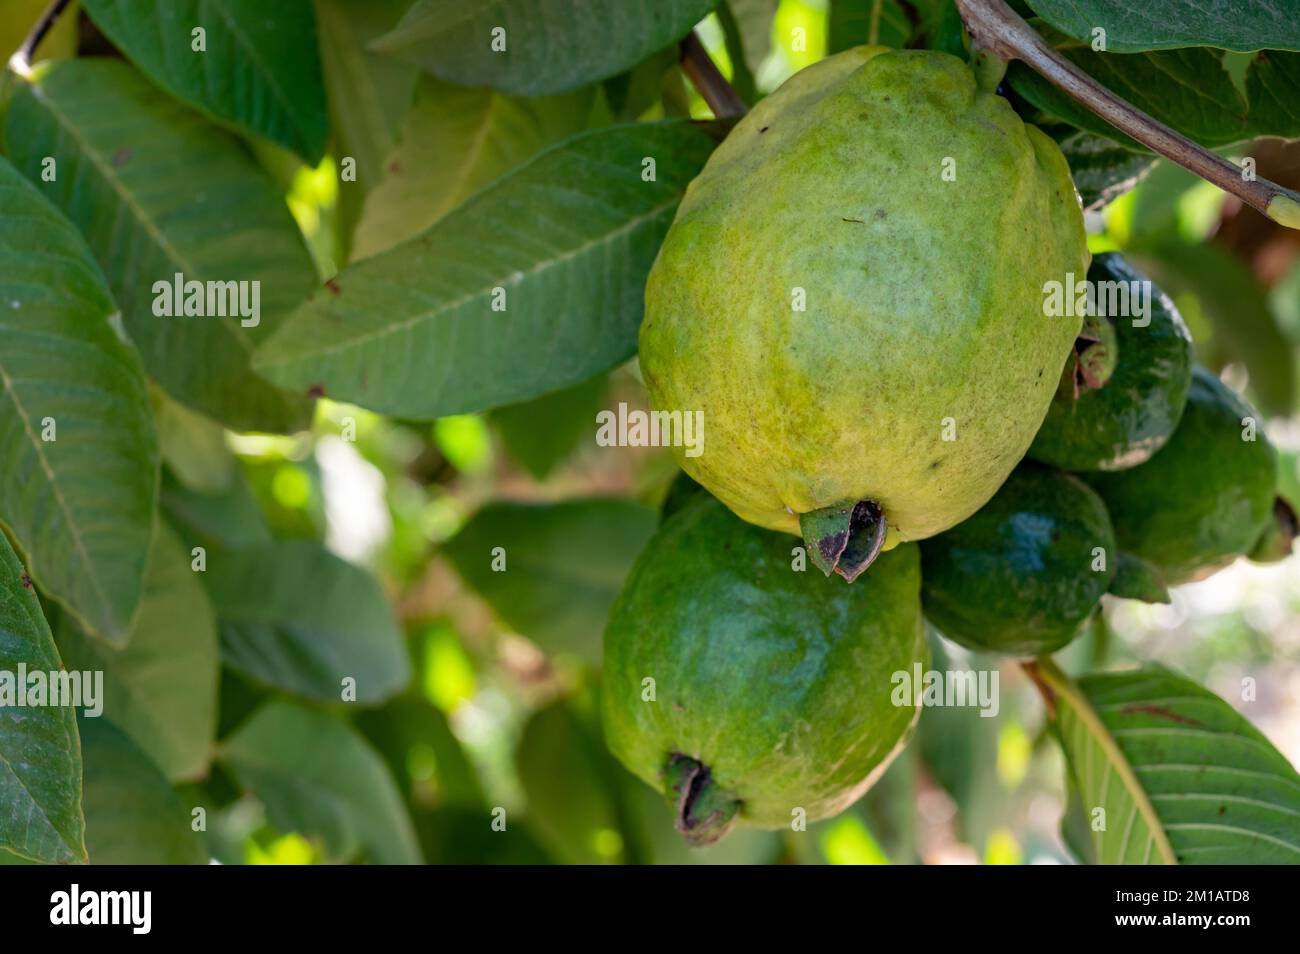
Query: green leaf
(157, 191)
(540, 433)
(40, 755)
(454, 142)
(754, 18)
(563, 565)
(1238, 307)
(193, 447)
(318, 777)
(294, 616)
(133, 816)
(260, 69)
(568, 240)
(425, 758)
(570, 781)
(78, 453)
(1191, 90)
(368, 95)
(1165, 24)
(1102, 169)
(1181, 777)
(230, 519)
(549, 47)
(161, 689)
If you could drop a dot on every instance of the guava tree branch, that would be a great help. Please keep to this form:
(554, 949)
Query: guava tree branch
(708, 79)
(995, 27)
(21, 61)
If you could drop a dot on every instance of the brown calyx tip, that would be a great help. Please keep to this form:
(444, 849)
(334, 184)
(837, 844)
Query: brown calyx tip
(844, 539)
(704, 812)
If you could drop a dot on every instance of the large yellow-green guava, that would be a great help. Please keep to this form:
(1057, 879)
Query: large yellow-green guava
(852, 293)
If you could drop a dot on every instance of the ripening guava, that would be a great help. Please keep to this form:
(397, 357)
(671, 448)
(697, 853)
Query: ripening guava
(852, 293)
(744, 685)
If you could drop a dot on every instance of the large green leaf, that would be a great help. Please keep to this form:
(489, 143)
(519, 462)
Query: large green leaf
(78, 453)
(296, 617)
(158, 191)
(368, 95)
(1102, 169)
(454, 142)
(260, 70)
(161, 689)
(1165, 24)
(563, 243)
(425, 757)
(1191, 90)
(1180, 776)
(550, 47)
(133, 816)
(849, 24)
(319, 778)
(563, 564)
(40, 755)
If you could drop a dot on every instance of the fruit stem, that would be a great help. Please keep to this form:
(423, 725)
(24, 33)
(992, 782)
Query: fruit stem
(708, 79)
(845, 539)
(996, 27)
(704, 811)
(21, 61)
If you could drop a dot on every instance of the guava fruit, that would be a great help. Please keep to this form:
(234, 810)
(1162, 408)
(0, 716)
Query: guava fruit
(1024, 573)
(1203, 499)
(1122, 392)
(852, 294)
(743, 688)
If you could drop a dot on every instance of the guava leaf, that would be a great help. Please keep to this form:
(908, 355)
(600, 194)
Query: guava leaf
(260, 69)
(78, 452)
(193, 446)
(1169, 773)
(540, 433)
(158, 191)
(1191, 90)
(561, 247)
(133, 816)
(1102, 169)
(563, 564)
(422, 753)
(754, 19)
(570, 781)
(40, 754)
(161, 689)
(318, 777)
(548, 46)
(230, 519)
(454, 142)
(368, 95)
(294, 616)
(1166, 24)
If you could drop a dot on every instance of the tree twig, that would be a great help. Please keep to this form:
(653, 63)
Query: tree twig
(994, 26)
(21, 61)
(709, 81)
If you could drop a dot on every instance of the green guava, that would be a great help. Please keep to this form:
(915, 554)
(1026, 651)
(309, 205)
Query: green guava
(852, 294)
(1203, 499)
(744, 685)
(1025, 572)
(1122, 393)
